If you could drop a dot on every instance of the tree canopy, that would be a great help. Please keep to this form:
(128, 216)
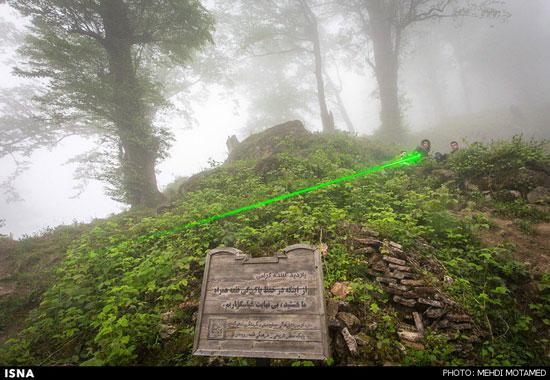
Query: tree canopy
(96, 60)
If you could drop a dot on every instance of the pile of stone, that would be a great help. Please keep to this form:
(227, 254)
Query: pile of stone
(342, 323)
(414, 293)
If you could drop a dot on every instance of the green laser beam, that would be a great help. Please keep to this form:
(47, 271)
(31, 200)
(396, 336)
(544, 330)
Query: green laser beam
(412, 158)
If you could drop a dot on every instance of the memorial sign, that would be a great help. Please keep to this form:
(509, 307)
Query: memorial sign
(265, 307)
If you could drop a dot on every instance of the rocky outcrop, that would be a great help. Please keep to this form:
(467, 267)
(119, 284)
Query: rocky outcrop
(264, 144)
(530, 184)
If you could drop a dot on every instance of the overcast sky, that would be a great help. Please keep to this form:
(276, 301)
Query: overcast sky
(48, 186)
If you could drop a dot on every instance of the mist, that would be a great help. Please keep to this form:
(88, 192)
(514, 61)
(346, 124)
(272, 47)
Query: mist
(466, 79)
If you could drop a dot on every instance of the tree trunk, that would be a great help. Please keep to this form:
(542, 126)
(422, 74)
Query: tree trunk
(130, 113)
(386, 67)
(326, 117)
(341, 104)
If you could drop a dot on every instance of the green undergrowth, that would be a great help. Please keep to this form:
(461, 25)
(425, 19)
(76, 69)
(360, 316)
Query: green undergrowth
(111, 289)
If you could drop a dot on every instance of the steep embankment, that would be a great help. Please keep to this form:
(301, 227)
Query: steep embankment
(417, 268)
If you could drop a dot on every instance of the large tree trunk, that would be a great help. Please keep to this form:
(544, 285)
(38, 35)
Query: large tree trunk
(386, 45)
(130, 113)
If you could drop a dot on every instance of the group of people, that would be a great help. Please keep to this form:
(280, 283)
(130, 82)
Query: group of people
(424, 150)
(425, 146)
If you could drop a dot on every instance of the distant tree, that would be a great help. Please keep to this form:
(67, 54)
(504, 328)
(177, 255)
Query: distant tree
(288, 32)
(381, 25)
(96, 61)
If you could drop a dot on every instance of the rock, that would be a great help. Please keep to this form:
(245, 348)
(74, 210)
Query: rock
(458, 317)
(527, 178)
(394, 260)
(332, 308)
(415, 345)
(394, 249)
(379, 267)
(401, 348)
(341, 290)
(374, 273)
(426, 301)
(350, 341)
(231, 143)
(412, 282)
(418, 322)
(360, 341)
(404, 301)
(392, 290)
(365, 251)
(399, 275)
(351, 321)
(539, 195)
(435, 313)
(370, 242)
(335, 324)
(166, 330)
(370, 231)
(410, 294)
(395, 245)
(507, 195)
(266, 144)
(167, 316)
(339, 344)
(344, 306)
(410, 335)
(386, 280)
(460, 326)
(188, 304)
(439, 297)
(425, 290)
(401, 268)
(471, 186)
(373, 326)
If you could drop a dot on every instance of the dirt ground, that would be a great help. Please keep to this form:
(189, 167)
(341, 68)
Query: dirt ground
(532, 249)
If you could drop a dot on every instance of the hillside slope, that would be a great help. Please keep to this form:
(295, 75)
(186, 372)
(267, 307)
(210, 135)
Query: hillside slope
(424, 264)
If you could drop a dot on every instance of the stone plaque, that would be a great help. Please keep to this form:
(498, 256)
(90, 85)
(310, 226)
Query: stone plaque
(265, 307)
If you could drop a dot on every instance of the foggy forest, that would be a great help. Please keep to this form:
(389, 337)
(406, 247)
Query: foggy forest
(130, 130)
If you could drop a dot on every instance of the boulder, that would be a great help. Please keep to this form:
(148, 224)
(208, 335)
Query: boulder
(351, 321)
(265, 144)
(410, 336)
(539, 195)
(350, 341)
(507, 195)
(341, 290)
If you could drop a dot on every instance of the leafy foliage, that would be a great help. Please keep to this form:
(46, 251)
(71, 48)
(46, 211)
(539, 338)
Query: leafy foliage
(111, 288)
